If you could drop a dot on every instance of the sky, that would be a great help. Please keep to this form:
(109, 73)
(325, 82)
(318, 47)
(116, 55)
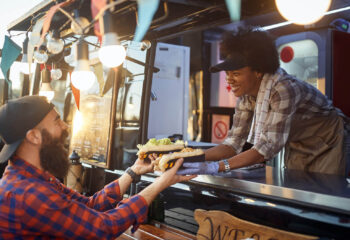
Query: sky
(10, 10)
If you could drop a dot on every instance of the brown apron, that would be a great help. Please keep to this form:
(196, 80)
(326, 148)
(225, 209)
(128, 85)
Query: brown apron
(316, 145)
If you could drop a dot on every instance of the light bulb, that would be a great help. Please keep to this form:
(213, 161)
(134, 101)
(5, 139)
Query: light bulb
(56, 74)
(40, 56)
(82, 77)
(48, 94)
(83, 80)
(24, 62)
(79, 24)
(69, 59)
(303, 12)
(25, 66)
(111, 54)
(54, 43)
(46, 91)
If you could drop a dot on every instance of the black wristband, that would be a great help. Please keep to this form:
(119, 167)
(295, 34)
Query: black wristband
(135, 178)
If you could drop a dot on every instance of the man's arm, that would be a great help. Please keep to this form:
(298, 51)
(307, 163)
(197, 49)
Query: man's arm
(140, 167)
(112, 193)
(167, 179)
(53, 213)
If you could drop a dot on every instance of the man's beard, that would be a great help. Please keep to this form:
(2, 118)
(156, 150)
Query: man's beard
(53, 155)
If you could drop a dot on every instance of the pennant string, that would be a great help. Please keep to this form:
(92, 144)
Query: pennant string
(48, 18)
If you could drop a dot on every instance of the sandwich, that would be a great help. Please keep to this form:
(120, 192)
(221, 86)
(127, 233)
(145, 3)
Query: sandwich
(167, 161)
(159, 147)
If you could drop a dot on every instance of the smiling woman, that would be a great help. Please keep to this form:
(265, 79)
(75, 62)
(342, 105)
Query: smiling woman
(244, 81)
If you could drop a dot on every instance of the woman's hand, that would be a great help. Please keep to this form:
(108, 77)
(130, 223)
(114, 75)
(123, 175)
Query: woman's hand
(209, 168)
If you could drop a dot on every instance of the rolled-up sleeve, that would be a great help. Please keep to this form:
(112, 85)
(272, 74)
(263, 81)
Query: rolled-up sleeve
(242, 119)
(283, 103)
(45, 210)
(102, 200)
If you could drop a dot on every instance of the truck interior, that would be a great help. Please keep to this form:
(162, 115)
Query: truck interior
(164, 90)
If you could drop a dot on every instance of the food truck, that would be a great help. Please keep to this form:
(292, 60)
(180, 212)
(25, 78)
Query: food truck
(164, 89)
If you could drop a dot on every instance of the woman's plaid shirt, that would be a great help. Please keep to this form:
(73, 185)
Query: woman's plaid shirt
(290, 99)
(35, 205)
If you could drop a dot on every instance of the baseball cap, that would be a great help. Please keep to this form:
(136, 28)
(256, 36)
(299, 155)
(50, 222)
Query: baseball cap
(232, 62)
(18, 116)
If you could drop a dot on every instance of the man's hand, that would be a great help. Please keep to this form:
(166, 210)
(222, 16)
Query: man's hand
(209, 168)
(168, 178)
(141, 166)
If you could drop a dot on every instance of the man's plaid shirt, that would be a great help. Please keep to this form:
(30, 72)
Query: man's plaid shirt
(290, 99)
(35, 205)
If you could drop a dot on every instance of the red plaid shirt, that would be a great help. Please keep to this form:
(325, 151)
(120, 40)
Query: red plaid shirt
(35, 205)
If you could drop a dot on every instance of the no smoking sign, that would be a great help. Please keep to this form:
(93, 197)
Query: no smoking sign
(219, 128)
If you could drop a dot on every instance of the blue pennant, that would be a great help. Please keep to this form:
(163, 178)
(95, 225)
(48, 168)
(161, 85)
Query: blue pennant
(146, 11)
(9, 54)
(234, 9)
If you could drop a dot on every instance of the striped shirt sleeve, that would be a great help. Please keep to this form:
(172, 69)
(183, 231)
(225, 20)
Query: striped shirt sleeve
(102, 200)
(242, 119)
(47, 210)
(285, 97)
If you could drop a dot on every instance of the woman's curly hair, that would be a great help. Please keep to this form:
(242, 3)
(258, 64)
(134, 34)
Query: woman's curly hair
(256, 45)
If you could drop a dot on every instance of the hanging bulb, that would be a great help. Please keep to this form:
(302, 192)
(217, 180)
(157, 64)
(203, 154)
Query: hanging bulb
(78, 29)
(303, 12)
(54, 43)
(111, 54)
(70, 58)
(56, 74)
(79, 24)
(131, 103)
(40, 55)
(24, 61)
(82, 77)
(46, 89)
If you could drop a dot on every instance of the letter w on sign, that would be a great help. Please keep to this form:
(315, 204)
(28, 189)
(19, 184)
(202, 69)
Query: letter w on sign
(219, 225)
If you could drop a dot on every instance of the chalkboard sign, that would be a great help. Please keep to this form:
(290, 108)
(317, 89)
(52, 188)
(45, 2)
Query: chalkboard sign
(92, 126)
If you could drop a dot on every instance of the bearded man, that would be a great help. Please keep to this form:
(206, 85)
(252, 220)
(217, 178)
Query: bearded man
(33, 202)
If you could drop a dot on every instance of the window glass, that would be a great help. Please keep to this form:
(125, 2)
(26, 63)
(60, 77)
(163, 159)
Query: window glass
(220, 91)
(300, 59)
(128, 108)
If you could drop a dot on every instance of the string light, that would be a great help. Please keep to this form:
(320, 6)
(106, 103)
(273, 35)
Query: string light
(46, 89)
(82, 77)
(54, 43)
(111, 54)
(24, 62)
(303, 12)
(40, 55)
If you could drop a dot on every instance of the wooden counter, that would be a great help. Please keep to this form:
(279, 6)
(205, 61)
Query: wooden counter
(156, 231)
